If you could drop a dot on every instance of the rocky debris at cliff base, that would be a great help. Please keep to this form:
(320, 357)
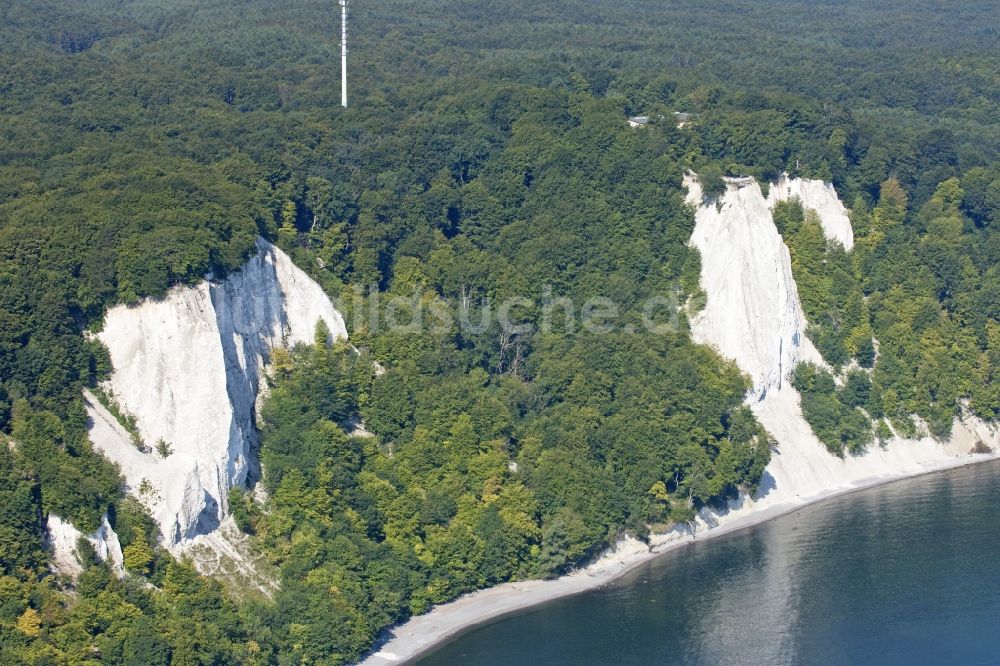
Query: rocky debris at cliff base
(230, 555)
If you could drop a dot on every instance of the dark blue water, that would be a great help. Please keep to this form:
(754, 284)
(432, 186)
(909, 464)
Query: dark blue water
(907, 573)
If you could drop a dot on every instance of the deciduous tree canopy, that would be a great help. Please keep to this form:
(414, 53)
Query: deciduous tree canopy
(486, 156)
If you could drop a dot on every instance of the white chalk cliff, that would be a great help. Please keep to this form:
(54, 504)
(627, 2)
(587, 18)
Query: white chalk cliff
(63, 539)
(753, 316)
(820, 197)
(188, 368)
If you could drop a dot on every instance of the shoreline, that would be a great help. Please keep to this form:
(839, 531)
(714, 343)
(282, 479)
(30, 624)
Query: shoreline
(422, 634)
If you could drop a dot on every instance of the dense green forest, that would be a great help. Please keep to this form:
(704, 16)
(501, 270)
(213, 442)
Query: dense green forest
(484, 156)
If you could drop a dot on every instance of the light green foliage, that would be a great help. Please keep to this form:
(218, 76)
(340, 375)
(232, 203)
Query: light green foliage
(986, 390)
(138, 554)
(831, 295)
(931, 296)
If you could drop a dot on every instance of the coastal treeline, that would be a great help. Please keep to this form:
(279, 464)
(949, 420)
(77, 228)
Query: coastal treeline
(485, 156)
(480, 480)
(909, 317)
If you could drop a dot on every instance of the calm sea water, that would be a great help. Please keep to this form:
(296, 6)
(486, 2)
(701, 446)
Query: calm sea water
(907, 573)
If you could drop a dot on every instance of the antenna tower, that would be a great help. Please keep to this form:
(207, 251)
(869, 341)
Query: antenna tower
(343, 53)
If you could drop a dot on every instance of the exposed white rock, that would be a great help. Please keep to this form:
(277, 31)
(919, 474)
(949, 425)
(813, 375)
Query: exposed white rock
(188, 367)
(63, 539)
(820, 197)
(753, 316)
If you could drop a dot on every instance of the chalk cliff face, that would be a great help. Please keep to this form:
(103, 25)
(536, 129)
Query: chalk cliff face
(753, 316)
(188, 369)
(820, 197)
(63, 539)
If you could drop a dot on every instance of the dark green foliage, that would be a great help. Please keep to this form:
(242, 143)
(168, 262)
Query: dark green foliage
(21, 526)
(712, 184)
(866, 353)
(981, 199)
(856, 391)
(833, 412)
(77, 485)
(144, 647)
(243, 509)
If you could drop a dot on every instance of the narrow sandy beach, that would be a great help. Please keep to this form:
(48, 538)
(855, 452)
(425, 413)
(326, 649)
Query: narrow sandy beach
(423, 633)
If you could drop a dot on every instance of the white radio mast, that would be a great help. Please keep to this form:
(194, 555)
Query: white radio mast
(343, 53)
